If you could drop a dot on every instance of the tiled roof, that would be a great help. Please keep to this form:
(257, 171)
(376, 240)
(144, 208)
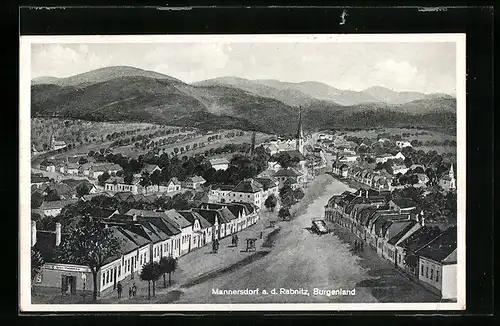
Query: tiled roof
(296, 154)
(46, 243)
(404, 202)
(192, 216)
(163, 224)
(248, 186)
(441, 247)
(142, 212)
(177, 218)
(394, 239)
(286, 173)
(266, 182)
(57, 204)
(227, 214)
(197, 179)
(210, 215)
(38, 179)
(420, 237)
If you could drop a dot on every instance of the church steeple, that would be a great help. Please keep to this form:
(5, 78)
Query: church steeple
(299, 138)
(451, 172)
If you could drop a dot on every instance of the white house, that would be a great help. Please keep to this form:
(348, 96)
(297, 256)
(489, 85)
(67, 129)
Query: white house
(173, 185)
(54, 208)
(185, 227)
(399, 169)
(438, 264)
(194, 182)
(219, 163)
(118, 185)
(403, 144)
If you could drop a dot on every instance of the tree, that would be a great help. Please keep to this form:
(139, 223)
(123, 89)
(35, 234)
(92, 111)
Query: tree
(176, 150)
(52, 195)
(82, 161)
(102, 178)
(156, 178)
(150, 272)
(271, 202)
(89, 244)
(145, 180)
(36, 200)
(287, 196)
(298, 194)
(82, 189)
(168, 265)
(36, 263)
(284, 213)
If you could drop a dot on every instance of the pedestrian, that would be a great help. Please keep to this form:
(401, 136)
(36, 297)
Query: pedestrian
(134, 290)
(130, 292)
(119, 289)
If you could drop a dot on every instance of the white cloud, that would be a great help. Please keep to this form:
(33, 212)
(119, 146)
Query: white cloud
(397, 75)
(65, 60)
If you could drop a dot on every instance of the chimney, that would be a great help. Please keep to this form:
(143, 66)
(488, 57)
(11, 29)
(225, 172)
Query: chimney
(58, 234)
(33, 233)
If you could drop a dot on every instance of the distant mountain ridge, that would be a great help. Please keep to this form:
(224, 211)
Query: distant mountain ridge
(307, 92)
(101, 75)
(130, 94)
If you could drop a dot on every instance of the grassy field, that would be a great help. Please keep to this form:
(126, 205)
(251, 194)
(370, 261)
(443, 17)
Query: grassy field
(413, 134)
(80, 132)
(131, 151)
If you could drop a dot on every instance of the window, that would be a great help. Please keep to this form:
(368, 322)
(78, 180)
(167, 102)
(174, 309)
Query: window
(141, 259)
(103, 279)
(432, 274)
(437, 276)
(422, 271)
(119, 271)
(123, 260)
(427, 272)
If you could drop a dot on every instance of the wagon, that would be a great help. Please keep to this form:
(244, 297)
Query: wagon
(319, 227)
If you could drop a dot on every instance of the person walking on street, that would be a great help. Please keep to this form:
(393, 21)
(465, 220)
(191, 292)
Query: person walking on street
(134, 290)
(119, 289)
(130, 292)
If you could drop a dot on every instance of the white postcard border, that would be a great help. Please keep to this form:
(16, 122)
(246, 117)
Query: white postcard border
(25, 168)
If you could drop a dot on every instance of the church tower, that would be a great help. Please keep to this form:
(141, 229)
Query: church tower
(453, 181)
(299, 140)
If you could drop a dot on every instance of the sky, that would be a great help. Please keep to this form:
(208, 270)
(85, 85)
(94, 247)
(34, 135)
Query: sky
(422, 67)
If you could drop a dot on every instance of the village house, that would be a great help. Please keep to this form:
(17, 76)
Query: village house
(71, 168)
(438, 264)
(247, 190)
(399, 169)
(348, 158)
(403, 144)
(201, 227)
(173, 185)
(269, 186)
(213, 216)
(73, 279)
(97, 170)
(117, 184)
(39, 181)
(340, 169)
(291, 174)
(76, 183)
(402, 205)
(397, 232)
(423, 179)
(186, 228)
(48, 166)
(219, 163)
(53, 208)
(447, 182)
(194, 182)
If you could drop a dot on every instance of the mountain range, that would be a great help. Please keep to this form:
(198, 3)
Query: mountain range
(132, 94)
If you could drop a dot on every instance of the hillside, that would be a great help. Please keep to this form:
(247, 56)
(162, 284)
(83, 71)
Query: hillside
(217, 104)
(101, 75)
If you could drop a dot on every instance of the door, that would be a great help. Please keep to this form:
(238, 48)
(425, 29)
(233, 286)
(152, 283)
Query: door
(72, 282)
(64, 284)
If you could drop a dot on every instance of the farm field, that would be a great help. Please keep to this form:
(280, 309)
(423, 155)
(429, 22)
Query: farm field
(80, 132)
(419, 134)
(132, 152)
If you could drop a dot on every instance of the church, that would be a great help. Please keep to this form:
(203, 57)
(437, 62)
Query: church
(54, 144)
(295, 148)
